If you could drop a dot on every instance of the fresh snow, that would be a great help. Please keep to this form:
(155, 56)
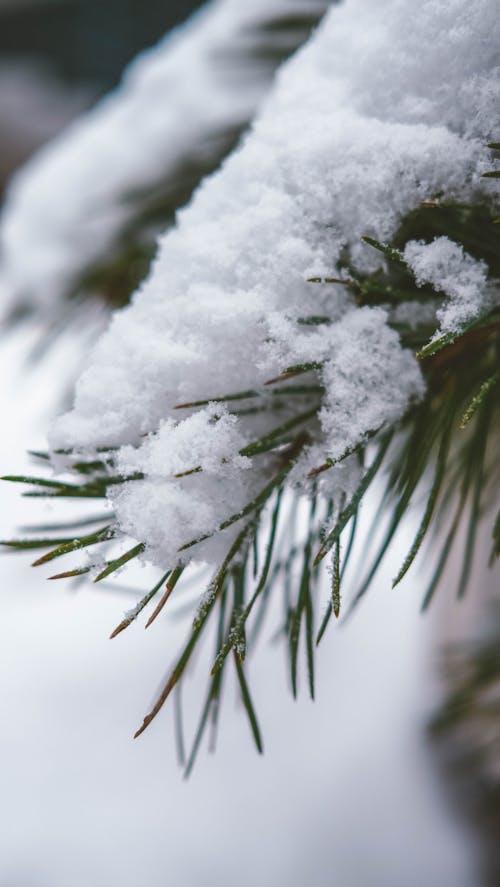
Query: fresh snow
(463, 279)
(388, 104)
(368, 379)
(178, 107)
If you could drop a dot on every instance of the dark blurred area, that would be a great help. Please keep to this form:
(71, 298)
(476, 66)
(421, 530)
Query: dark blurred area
(466, 736)
(86, 40)
(58, 56)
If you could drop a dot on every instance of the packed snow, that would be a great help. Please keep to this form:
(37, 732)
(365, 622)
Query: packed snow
(386, 106)
(178, 108)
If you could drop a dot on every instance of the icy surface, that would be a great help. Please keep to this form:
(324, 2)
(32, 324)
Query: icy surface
(177, 108)
(363, 124)
(449, 269)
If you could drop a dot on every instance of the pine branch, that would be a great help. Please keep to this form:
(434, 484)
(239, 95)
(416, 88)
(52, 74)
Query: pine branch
(449, 433)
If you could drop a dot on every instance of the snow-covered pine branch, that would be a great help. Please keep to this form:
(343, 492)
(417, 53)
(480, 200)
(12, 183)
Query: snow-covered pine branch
(88, 207)
(273, 343)
(356, 134)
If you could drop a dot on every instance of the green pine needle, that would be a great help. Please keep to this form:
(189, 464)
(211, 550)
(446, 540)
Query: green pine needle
(479, 398)
(248, 705)
(350, 510)
(121, 561)
(140, 606)
(394, 255)
(431, 505)
(102, 535)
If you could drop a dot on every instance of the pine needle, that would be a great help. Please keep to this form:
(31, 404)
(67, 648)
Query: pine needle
(350, 510)
(71, 574)
(431, 503)
(237, 630)
(394, 255)
(171, 583)
(103, 535)
(213, 592)
(114, 565)
(247, 702)
(140, 607)
(478, 398)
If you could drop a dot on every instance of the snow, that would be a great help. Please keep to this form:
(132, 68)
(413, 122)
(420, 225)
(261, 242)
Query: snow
(209, 440)
(178, 106)
(463, 279)
(362, 125)
(178, 448)
(366, 387)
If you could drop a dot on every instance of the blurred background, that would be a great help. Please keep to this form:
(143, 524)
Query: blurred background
(87, 41)
(58, 56)
(355, 789)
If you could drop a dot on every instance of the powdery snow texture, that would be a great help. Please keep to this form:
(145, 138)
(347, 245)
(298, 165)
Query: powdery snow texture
(387, 105)
(448, 268)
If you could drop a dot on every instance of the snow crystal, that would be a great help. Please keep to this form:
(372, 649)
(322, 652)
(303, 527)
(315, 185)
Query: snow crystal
(449, 269)
(179, 106)
(375, 114)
